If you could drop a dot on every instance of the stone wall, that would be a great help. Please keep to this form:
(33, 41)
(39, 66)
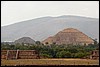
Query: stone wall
(94, 54)
(19, 54)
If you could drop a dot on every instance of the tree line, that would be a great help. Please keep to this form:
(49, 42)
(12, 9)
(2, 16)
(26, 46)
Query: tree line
(54, 50)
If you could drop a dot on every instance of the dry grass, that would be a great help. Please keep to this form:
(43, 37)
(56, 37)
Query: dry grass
(50, 62)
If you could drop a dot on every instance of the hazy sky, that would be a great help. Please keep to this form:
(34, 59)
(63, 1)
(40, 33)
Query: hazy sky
(15, 11)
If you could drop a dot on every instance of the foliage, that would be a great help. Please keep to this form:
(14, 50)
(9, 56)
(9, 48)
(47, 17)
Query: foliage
(54, 50)
(79, 55)
(63, 54)
(38, 42)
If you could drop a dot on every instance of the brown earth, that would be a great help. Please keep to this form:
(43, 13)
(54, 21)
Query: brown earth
(49, 62)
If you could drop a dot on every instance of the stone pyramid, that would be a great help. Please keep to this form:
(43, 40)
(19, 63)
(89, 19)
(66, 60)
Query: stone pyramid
(69, 36)
(25, 40)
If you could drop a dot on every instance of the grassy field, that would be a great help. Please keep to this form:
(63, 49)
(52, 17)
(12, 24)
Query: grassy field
(49, 62)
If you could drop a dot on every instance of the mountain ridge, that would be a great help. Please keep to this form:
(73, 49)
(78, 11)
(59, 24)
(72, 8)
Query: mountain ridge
(52, 17)
(44, 27)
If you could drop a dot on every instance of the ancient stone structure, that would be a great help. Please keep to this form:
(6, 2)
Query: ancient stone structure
(49, 40)
(25, 40)
(94, 54)
(19, 54)
(3, 54)
(69, 36)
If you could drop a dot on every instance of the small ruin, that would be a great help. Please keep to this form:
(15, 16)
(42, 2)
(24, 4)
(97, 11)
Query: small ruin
(19, 54)
(94, 55)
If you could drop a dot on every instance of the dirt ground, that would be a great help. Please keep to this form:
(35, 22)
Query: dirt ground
(49, 62)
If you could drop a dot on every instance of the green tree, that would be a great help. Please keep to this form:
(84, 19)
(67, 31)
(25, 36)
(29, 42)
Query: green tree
(45, 56)
(72, 50)
(95, 41)
(63, 54)
(38, 42)
(12, 47)
(79, 55)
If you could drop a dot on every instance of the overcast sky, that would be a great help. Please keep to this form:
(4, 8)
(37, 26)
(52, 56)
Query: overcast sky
(15, 11)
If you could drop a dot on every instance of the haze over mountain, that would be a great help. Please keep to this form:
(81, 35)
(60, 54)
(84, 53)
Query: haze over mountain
(42, 28)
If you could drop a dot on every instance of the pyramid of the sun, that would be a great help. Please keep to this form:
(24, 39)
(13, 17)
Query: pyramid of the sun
(69, 36)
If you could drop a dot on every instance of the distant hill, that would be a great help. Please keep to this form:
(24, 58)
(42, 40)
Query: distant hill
(41, 28)
(25, 40)
(69, 36)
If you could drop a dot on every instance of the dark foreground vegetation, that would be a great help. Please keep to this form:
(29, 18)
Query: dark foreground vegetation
(54, 50)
